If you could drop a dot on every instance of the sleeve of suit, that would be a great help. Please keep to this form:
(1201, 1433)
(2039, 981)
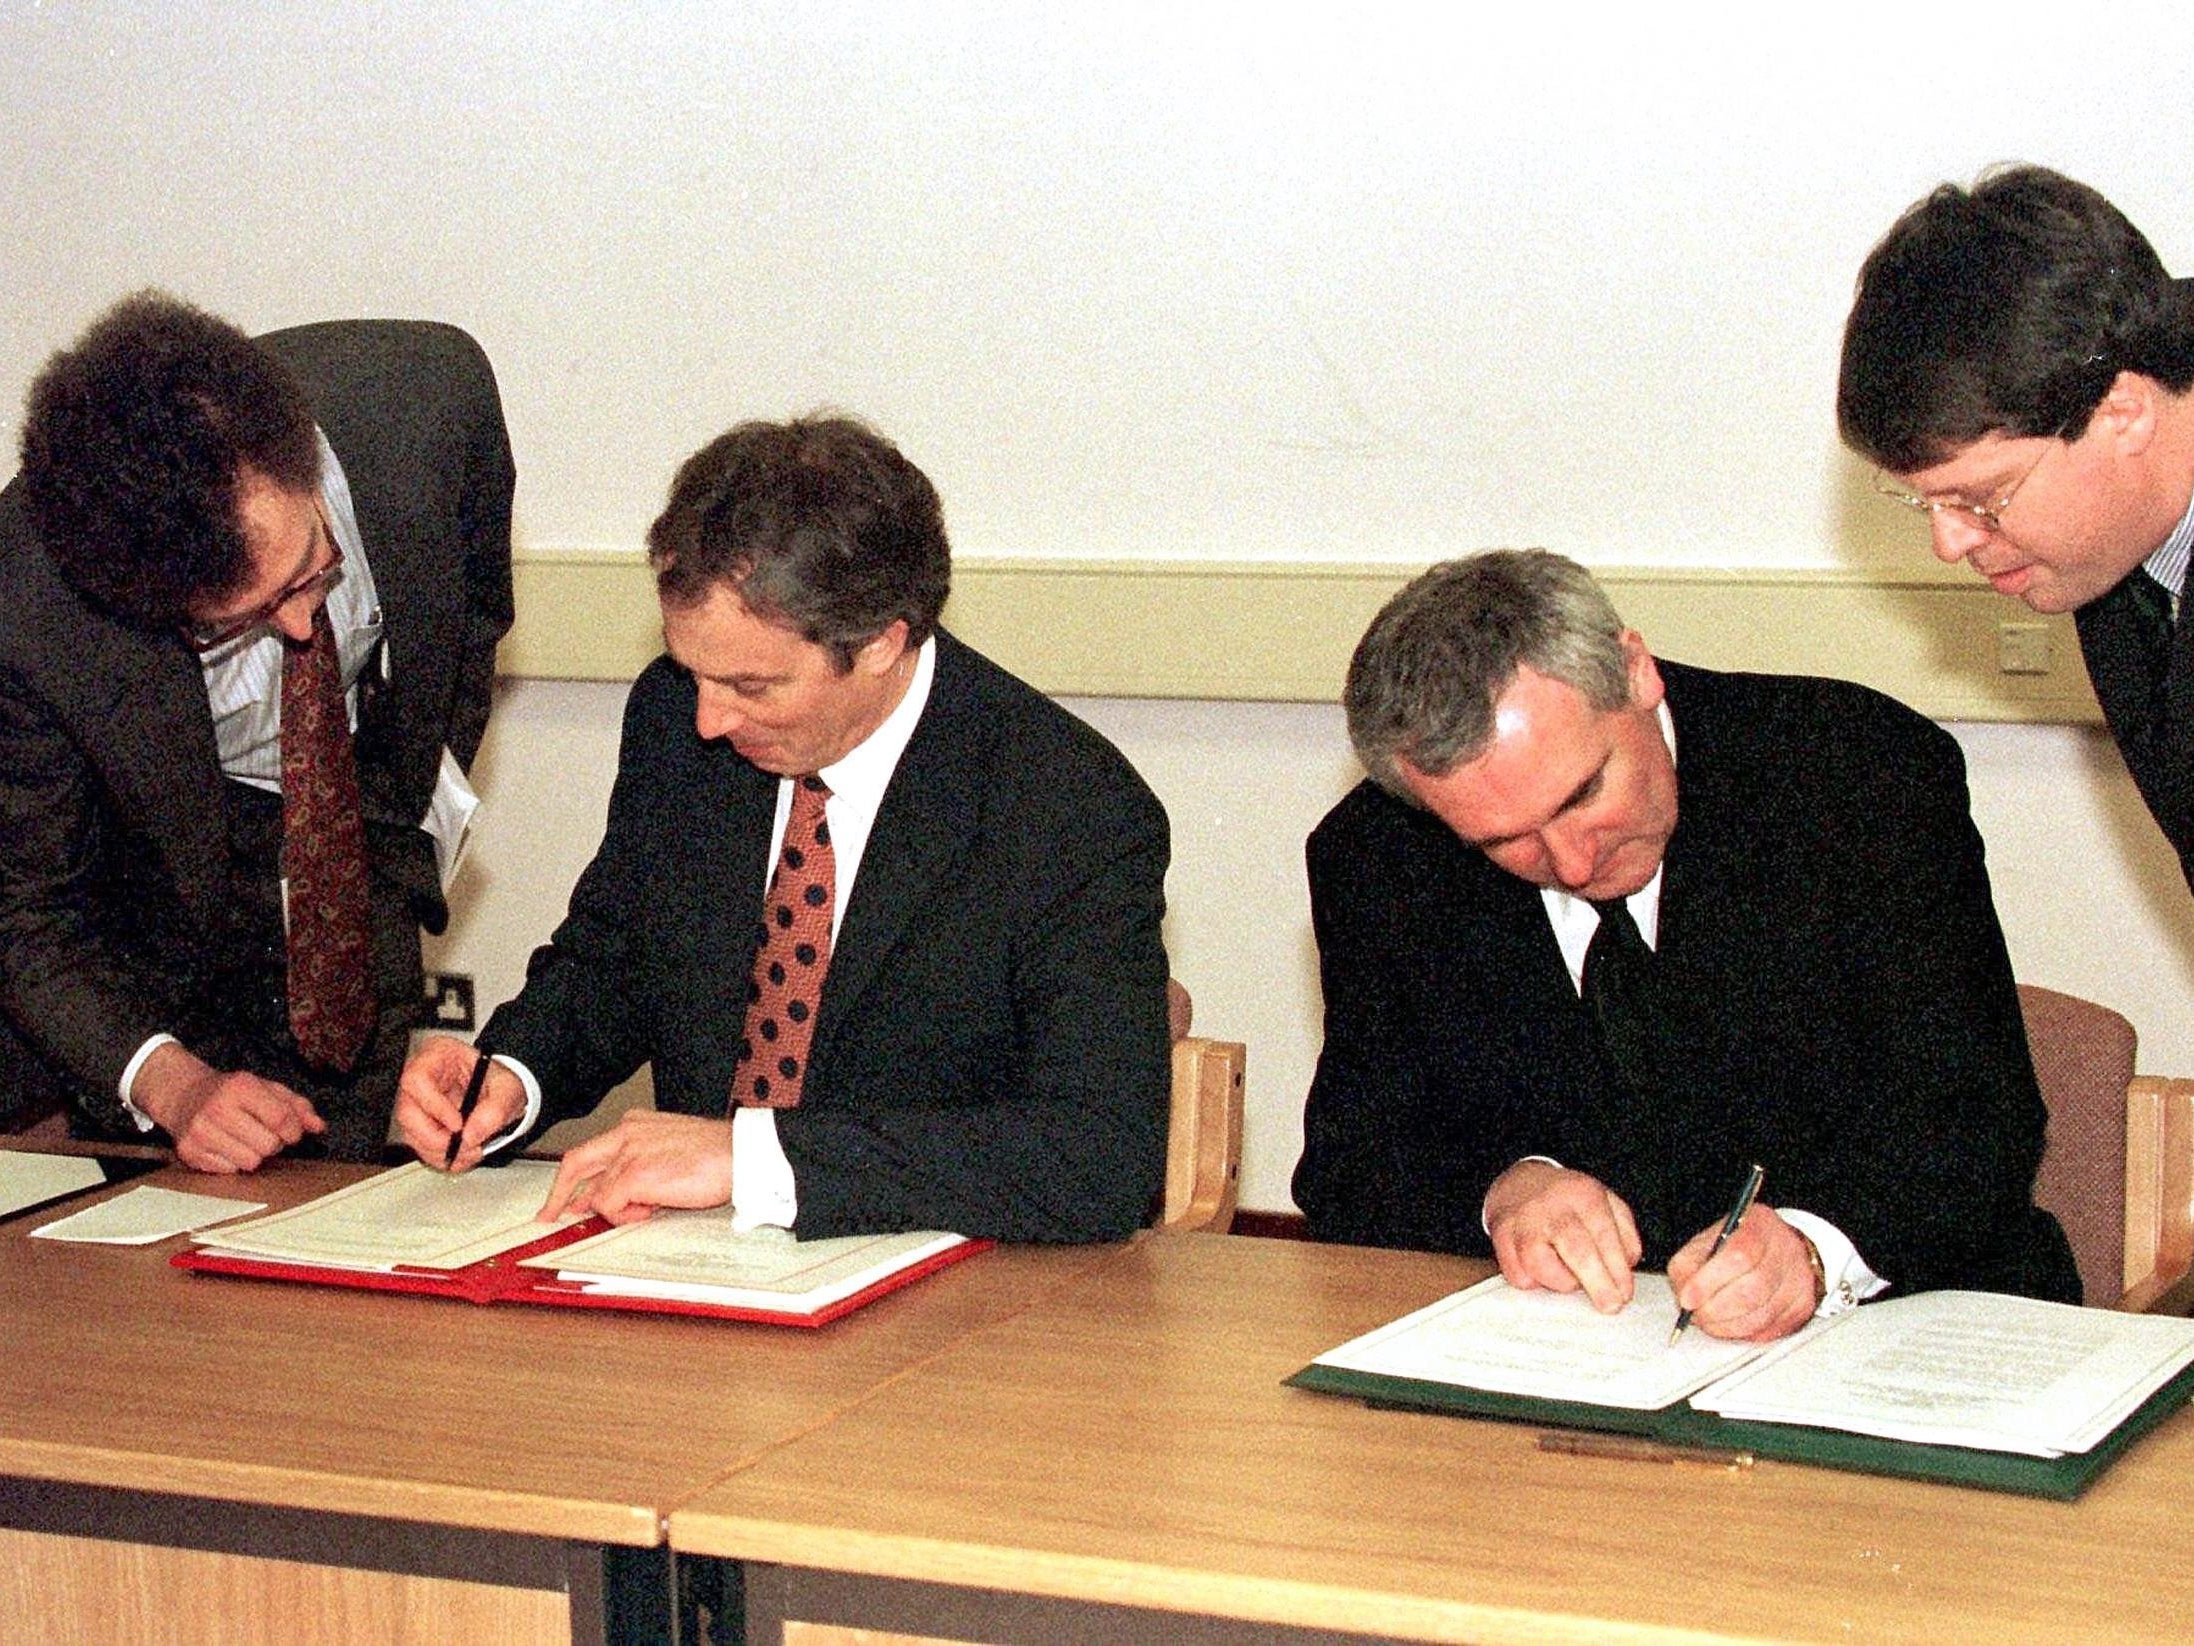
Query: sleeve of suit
(83, 996)
(1371, 1173)
(1939, 1123)
(585, 1020)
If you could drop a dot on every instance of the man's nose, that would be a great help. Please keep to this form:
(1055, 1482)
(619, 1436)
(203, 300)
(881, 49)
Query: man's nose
(1955, 534)
(1571, 853)
(715, 712)
(294, 617)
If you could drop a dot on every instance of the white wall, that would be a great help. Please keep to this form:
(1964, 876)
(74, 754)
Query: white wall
(2090, 897)
(1190, 278)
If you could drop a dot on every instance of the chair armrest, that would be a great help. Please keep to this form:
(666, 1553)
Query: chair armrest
(1204, 1142)
(2159, 1195)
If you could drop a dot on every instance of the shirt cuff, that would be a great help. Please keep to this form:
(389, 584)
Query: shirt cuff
(144, 1121)
(524, 1123)
(763, 1194)
(1848, 1280)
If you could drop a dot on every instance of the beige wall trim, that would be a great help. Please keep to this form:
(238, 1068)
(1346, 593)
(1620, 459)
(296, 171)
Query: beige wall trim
(1282, 632)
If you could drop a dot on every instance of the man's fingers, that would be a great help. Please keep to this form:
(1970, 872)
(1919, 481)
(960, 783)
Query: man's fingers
(1593, 1256)
(574, 1188)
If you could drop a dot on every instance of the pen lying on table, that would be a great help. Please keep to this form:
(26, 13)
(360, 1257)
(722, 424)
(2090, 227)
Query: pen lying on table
(1638, 1449)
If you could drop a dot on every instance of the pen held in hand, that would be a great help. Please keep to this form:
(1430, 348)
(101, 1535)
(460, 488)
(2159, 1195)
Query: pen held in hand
(464, 1109)
(1745, 1197)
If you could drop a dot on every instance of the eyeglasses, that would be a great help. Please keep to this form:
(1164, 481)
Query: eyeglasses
(1988, 516)
(208, 637)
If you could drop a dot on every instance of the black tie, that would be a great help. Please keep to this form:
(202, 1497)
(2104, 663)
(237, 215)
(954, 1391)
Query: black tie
(1618, 986)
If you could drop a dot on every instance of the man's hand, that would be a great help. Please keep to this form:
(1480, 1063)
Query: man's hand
(432, 1091)
(221, 1120)
(648, 1159)
(1560, 1229)
(1759, 1286)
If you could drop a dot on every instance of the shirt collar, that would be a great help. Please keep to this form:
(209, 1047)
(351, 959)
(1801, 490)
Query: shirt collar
(2168, 564)
(860, 777)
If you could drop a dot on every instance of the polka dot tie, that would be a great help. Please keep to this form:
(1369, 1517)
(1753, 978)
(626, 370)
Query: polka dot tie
(787, 986)
(331, 1008)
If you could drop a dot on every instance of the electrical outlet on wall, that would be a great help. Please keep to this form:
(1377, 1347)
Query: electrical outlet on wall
(448, 1002)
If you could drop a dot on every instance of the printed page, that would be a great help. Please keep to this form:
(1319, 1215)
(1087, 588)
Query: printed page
(30, 1179)
(1552, 1345)
(143, 1215)
(694, 1257)
(411, 1217)
(1979, 1369)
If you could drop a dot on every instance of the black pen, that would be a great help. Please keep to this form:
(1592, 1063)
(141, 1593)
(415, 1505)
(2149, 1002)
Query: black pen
(1745, 1197)
(464, 1109)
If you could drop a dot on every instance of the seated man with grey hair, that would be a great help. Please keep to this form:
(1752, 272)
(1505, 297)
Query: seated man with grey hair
(1569, 1001)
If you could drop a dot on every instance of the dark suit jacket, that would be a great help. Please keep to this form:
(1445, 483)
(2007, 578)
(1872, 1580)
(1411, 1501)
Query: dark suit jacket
(2150, 710)
(1833, 968)
(991, 1050)
(119, 913)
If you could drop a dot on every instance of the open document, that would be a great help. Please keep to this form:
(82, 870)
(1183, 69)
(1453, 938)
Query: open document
(473, 1238)
(410, 1217)
(2006, 1374)
(1973, 1388)
(1550, 1345)
(696, 1257)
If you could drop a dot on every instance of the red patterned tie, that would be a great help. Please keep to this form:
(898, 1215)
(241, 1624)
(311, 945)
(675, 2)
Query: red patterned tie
(331, 1008)
(788, 969)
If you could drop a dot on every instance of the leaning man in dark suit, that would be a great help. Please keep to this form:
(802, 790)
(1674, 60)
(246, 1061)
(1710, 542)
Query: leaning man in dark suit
(1603, 931)
(250, 592)
(2022, 369)
(884, 919)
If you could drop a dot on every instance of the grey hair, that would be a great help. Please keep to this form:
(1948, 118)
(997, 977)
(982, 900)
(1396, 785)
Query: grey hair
(1426, 675)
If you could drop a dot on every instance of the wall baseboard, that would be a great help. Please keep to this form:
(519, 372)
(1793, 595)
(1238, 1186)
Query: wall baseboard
(1251, 631)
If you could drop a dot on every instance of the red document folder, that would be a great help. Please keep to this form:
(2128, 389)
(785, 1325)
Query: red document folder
(502, 1279)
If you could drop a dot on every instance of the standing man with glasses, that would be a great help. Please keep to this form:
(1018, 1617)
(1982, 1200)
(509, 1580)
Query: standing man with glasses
(250, 593)
(2021, 369)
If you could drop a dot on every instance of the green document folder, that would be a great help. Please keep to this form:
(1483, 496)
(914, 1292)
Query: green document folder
(2063, 1478)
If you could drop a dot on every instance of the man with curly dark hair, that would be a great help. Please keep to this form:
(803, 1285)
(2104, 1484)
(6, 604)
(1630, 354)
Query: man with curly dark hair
(208, 930)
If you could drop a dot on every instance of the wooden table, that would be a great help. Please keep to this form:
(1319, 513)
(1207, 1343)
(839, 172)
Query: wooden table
(1120, 1462)
(194, 1457)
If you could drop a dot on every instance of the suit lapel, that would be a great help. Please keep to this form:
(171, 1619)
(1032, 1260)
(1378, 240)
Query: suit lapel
(931, 812)
(2148, 716)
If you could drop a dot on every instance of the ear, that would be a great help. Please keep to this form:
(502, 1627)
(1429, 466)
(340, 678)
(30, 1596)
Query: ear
(1646, 690)
(880, 654)
(2128, 413)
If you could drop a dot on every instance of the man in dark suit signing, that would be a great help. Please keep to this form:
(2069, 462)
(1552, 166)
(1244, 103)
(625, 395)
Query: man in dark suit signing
(1601, 932)
(884, 919)
(2022, 369)
(250, 592)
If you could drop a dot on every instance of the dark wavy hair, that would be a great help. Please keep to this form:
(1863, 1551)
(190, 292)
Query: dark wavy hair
(2008, 307)
(819, 524)
(134, 441)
